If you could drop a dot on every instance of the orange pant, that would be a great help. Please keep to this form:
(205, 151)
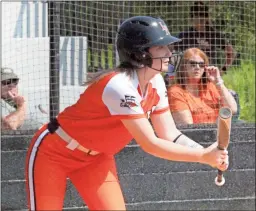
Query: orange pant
(49, 163)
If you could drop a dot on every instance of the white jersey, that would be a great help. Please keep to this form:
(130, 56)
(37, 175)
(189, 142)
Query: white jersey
(122, 95)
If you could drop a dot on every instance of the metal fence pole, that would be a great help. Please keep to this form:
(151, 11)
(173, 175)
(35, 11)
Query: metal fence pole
(54, 63)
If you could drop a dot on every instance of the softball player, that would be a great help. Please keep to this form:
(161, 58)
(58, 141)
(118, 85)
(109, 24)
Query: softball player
(81, 142)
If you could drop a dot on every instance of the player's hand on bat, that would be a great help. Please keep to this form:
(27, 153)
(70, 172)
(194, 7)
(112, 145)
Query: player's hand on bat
(215, 157)
(223, 166)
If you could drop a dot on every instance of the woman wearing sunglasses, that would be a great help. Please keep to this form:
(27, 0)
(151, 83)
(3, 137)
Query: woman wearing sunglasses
(199, 91)
(13, 107)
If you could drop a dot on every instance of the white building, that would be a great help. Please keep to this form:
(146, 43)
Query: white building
(25, 48)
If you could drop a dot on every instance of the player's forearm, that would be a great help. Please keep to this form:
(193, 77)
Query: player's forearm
(15, 119)
(173, 151)
(186, 141)
(179, 138)
(229, 60)
(230, 55)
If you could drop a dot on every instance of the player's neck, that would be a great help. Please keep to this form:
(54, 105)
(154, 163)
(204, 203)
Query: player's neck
(201, 28)
(144, 77)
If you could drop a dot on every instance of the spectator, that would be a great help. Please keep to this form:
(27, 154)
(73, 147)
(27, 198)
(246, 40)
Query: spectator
(199, 91)
(12, 104)
(203, 35)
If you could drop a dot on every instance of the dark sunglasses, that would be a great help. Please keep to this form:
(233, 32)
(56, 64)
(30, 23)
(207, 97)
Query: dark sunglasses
(7, 82)
(194, 64)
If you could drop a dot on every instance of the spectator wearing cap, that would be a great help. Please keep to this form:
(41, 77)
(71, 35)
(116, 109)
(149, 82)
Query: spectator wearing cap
(202, 35)
(13, 106)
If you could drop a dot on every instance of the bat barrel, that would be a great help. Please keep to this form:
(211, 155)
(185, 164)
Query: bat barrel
(225, 113)
(224, 127)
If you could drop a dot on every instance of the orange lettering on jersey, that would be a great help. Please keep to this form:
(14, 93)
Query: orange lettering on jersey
(151, 100)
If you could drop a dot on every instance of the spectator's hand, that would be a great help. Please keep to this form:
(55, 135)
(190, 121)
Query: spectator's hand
(17, 99)
(212, 73)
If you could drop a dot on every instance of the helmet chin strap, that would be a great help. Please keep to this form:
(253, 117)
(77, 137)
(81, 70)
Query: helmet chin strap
(148, 61)
(155, 68)
(176, 63)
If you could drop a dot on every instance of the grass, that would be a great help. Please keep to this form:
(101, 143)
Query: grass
(242, 80)
(103, 54)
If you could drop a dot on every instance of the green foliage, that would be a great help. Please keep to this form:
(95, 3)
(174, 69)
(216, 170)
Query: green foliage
(242, 80)
(237, 21)
(99, 20)
(104, 61)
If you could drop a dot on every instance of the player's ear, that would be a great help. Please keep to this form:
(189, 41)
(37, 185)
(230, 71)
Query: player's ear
(147, 59)
(143, 58)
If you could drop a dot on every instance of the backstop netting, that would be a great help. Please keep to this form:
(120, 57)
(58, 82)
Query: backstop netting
(54, 47)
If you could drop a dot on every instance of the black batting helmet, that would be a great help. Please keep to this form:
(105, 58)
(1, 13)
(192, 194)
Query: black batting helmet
(136, 35)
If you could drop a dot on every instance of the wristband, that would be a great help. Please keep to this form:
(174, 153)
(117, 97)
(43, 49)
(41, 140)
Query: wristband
(187, 142)
(219, 82)
(177, 138)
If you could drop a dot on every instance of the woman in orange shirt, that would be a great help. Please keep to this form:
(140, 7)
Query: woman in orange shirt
(199, 91)
(81, 142)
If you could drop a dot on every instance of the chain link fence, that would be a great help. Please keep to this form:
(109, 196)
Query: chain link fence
(53, 46)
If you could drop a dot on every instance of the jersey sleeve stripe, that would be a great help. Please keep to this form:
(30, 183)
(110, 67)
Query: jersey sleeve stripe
(138, 116)
(160, 111)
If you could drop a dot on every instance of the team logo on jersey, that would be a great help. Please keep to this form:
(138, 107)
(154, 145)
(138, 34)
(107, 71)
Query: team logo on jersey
(164, 28)
(128, 101)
